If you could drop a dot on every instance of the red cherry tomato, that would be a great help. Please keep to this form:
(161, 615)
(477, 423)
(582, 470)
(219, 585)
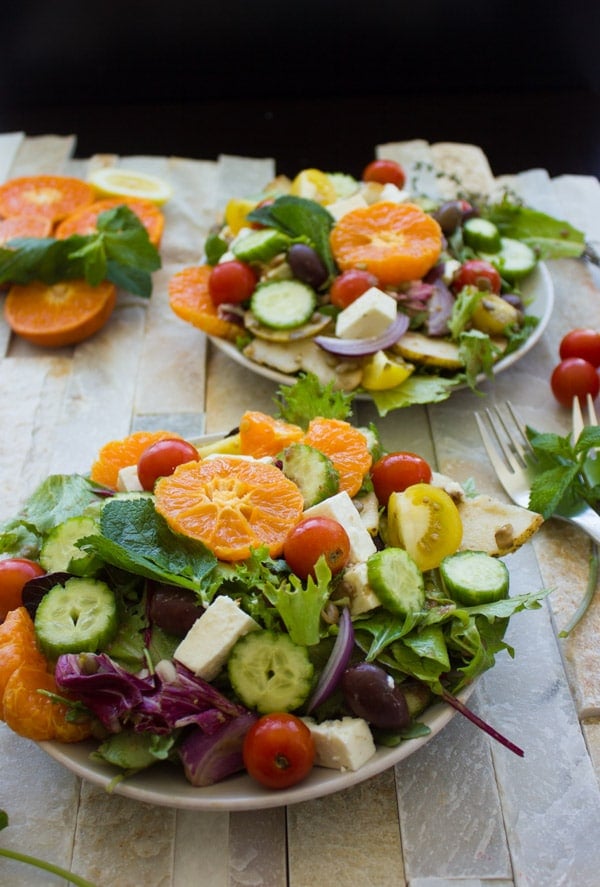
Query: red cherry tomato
(14, 573)
(231, 282)
(351, 284)
(161, 459)
(574, 377)
(384, 172)
(479, 273)
(582, 343)
(394, 472)
(279, 750)
(312, 537)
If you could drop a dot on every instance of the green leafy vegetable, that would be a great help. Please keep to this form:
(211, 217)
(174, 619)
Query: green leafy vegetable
(299, 218)
(566, 473)
(309, 398)
(119, 251)
(550, 238)
(416, 389)
(478, 354)
(300, 606)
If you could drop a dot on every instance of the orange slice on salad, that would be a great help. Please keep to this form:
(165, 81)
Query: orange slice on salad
(17, 646)
(347, 448)
(26, 225)
(59, 314)
(232, 505)
(189, 298)
(53, 197)
(396, 242)
(34, 714)
(118, 454)
(262, 435)
(84, 220)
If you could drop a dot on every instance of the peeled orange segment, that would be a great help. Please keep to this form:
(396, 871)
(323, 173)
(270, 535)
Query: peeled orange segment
(59, 314)
(262, 435)
(17, 646)
(35, 715)
(118, 454)
(231, 505)
(396, 242)
(26, 225)
(347, 448)
(189, 298)
(53, 197)
(112, 181)
(84, 221)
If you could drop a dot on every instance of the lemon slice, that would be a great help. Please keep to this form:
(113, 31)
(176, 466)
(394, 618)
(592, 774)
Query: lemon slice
(314, 185)
(113, 181)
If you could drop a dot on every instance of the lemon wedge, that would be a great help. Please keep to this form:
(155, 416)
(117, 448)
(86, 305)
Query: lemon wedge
(314, 184)
(236, 212)
(381, 371)
(113, 181)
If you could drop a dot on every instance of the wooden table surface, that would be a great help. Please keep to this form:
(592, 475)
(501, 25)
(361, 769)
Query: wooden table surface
(463, 810)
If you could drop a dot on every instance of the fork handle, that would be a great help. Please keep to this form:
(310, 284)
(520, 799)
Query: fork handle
(589, 522)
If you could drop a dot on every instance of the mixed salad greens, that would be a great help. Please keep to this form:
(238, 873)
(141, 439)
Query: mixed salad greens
(317, 645)
(461, 308)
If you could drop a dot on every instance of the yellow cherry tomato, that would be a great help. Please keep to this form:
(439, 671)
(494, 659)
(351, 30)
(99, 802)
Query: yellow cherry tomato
(425, 521)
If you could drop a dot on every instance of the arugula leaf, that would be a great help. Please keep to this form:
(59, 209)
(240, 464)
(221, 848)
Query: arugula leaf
(119, 251)
(550, 238)
(309, 398)
(300, 218)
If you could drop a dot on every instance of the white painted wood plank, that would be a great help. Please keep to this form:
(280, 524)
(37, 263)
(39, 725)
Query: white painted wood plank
(201, 849)
(48, 154)
(257, 848)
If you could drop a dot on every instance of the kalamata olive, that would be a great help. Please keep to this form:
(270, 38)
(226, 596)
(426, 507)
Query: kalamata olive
(173, 609)
(449, 216)
(35, 589)
(371, 693)
(514, 300)
(307, 265)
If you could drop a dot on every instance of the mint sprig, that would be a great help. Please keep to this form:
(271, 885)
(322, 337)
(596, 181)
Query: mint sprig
(567, 473)
(119, 251)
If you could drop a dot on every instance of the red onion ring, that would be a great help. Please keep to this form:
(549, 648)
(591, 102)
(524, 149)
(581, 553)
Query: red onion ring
(337, 662)
(364, 347)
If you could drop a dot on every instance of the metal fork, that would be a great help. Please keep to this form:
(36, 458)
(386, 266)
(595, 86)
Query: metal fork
(510, 454)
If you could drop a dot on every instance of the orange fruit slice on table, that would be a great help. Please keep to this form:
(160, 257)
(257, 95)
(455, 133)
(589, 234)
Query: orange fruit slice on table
(347, 448)
(396, 242)
(53, 197)
(189, 298)
(118, 454)
(231, 505)
(59, 314)
(26, 225)
(84, 220)
(262, 435)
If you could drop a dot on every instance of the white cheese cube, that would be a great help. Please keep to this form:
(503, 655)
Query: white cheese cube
(128, 480)
(367, 506)
(207, 645)
(340, 207)
(346, 744)
(341, 509)
(393, 194)
(355, 584)
(367, 316)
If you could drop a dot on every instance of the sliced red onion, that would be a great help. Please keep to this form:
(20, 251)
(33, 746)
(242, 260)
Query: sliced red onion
(337, 662)
(439, 310)
(364, 347)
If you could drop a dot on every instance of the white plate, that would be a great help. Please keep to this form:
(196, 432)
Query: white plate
(537, 291)
(165, 784)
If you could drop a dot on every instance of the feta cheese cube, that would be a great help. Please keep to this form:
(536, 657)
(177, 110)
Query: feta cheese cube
(128, 480)
(367, 316)
(393, 194)
(340, 207)
(346, 744)
(341, 509)
(207, 645)
(355, 584)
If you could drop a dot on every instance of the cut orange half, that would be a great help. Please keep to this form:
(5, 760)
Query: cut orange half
(51, 196)
(26, 225)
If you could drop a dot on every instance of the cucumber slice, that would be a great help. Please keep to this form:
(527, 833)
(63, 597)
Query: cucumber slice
(60, 554)
(79, 616)
(312, 471)
(269, 672)
(283, 304)
(514, 260)
(396, 580)
(474, 577)
(260, 246)
(481, 235)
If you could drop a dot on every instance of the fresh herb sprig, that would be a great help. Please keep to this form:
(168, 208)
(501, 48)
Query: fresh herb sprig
(567, 472)
(119, 251)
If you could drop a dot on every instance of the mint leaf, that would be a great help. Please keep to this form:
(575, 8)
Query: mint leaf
(300, 218)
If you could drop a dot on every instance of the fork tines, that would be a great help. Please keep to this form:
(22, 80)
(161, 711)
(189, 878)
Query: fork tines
(514, 448)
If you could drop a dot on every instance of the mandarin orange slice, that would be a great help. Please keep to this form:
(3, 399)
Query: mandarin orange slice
(84, 220)
(347, 448)
(396, 242)
(51, 196)
(26, 225)
(232, 505)
(262, 435)
(35, 715)
(118, 454)
(189, 298)
(17, 647)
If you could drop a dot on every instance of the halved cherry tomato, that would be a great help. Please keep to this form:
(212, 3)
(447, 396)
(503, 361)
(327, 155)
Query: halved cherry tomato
(231, 282)
(351, 284)
(584, 343)
(425, 521)
(479, 273)
(279, 750)
(312, 537)
(161, 459)
(384, 172)
(574, 377)
(14, 573)
(394, 472)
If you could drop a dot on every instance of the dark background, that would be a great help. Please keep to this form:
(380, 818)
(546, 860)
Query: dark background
(313, 83)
